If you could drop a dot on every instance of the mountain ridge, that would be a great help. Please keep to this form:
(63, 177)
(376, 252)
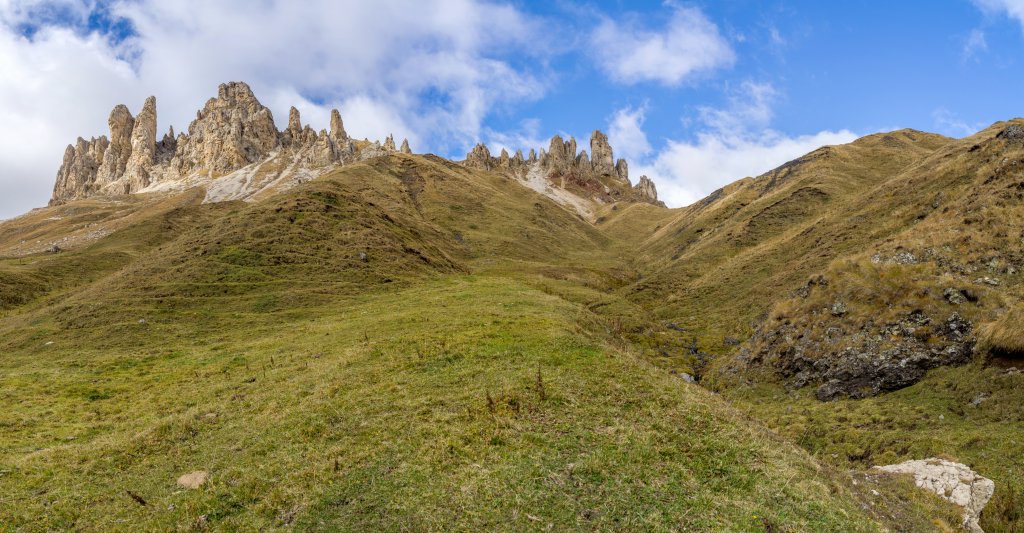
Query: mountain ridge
(536, 317)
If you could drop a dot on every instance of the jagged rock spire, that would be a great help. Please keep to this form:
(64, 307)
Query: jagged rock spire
(645, 189)
(405, 147)
(479, 157)
(337, 126)
(294, 121)
(601, 154)
(143, 147)
(115, 158)
(389, 143)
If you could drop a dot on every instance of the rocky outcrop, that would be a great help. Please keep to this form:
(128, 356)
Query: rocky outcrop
(226, 145)
(77, 175)
(954, 482)
(645, 189)
(595, 175)
(601, 158)
(143, 148)
(847, 361)
(479, 157)
(115, 159)
(337, 126)
(233, 130)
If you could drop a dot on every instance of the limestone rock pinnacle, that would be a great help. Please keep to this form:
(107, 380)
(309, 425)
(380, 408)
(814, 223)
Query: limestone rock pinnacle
(601, 154)
(337, 126)
(405, 147)
(646, 190)
(479, 157)
(143, 148)
(115, 158)
(233, 130)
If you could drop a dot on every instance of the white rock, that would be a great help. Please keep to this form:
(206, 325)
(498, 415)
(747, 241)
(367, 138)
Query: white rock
(193, 480)
(954, 482)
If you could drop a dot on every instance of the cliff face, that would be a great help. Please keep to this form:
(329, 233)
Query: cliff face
(596, 176)
(234, 149)
(232, 131)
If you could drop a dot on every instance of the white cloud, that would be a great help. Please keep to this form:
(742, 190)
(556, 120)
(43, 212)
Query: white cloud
(736, 142)
(948, 123)
(1011, 8)
(689, 45)
(626, 134)
(685, 172)
(974, 44)
(430, 70)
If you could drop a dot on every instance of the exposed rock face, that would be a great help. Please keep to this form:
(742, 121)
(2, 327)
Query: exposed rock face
(595, 175)
(337, 126)
(143, 148)
(234, 134)
(622, 170)
(77, 175)
(115, 159)
(232, 131)
(479, 157)
(878, 358)
(601, 151)
(954, 482)
(646, 190)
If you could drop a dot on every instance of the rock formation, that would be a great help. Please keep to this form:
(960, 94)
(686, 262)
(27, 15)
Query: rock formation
(77, 175)
(954, 482)
(234, 134)
(115, 159)
(596, 175)
(646, 190)
(601, 153)
(143, 148)
(232, 131)
(337, 126)
(479, 157)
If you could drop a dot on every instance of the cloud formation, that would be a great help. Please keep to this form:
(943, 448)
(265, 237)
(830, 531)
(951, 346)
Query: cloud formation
(1011, 8)
(689, 45)
(430, 70)
(734, 142)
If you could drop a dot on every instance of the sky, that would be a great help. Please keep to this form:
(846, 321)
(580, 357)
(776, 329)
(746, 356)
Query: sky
(693, 94)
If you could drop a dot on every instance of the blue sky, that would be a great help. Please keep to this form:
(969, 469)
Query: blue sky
(694, 94)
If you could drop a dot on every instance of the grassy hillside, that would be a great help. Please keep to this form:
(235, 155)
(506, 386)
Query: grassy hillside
(405, 343)
(461, 402)
(718, 265)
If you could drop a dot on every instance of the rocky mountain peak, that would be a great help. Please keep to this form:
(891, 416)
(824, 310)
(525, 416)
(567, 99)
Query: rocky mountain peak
(596, 175)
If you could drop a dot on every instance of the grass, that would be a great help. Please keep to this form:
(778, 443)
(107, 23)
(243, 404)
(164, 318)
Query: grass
(972, 414)
(408, 344)
(414, 408)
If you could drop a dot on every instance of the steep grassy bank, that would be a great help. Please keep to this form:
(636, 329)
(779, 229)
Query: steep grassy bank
(460, 403)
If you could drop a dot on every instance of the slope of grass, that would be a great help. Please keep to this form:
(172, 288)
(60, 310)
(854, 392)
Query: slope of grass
(971, 414)
(458, 403)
